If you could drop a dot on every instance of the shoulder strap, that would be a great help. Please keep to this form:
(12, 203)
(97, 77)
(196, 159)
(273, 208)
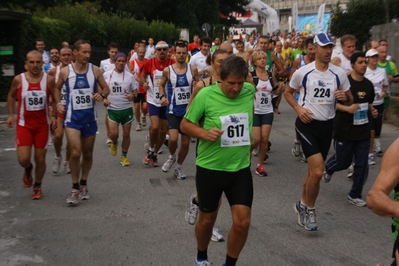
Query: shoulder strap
(255, 77)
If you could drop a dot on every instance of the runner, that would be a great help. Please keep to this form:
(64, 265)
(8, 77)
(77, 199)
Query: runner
(378, 77)
(81, 80)
(140, 103)
(320, 85)
(177, 82)
(32, 90)
(123, 86)
(352, 132)
(223, 155)
(150, 78)
(58, 133)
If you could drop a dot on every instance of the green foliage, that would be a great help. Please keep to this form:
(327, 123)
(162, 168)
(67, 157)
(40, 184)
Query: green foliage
(359, 17)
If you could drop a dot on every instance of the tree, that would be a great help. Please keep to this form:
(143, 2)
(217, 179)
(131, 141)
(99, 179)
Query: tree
(358, 19)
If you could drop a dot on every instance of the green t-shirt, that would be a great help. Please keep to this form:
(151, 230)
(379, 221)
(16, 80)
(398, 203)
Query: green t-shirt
(213, 109)
(390, 69)
(296, 52)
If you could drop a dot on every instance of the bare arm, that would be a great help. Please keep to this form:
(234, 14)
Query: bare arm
(336, 61)
(196, 131)
(162, 83)
(378, 199)
(294, 68)
(303, 113)
(280, 67)
(11, 97)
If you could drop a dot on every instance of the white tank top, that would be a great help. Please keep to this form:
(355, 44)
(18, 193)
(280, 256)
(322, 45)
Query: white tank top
(345, 63)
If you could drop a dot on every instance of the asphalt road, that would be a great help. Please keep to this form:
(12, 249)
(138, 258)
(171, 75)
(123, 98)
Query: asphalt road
(136, 214)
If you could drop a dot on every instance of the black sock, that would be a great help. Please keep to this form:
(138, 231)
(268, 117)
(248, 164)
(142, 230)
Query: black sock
(230, 261)
(83, 182)
(75, 186)
(27, 169)
(37, 185)
(202, 255)
(195, 202)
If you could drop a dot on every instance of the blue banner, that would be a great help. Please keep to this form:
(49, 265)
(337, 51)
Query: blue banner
(308, 23)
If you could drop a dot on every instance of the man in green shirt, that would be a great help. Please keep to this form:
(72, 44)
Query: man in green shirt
(220, 116)
(392, 74)
(300, 50)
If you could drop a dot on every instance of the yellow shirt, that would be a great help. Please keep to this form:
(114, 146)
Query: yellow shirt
(285, 52)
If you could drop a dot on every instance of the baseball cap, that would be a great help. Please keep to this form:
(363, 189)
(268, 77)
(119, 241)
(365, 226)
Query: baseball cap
(371, 52)
(119, 55)
(323, 39)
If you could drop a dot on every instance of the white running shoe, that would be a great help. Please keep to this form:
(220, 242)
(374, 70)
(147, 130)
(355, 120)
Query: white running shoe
(108, 141)
(67, 168)
(350, 170)
(178, 172)
(143, 121)
(138, 127)
(57, 164)
(255, 151)
(191, 214)
(296, 149)
(168, 164)
(216, 236)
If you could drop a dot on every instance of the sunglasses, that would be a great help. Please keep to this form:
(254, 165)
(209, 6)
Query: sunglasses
(162, 49)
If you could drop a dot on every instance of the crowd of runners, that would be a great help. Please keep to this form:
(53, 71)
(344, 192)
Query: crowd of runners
(222, 95)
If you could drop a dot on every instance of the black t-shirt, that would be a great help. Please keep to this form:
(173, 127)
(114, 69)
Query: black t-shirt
(344, 126)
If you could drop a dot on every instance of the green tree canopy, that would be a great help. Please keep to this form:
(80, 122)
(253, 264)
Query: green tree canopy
(360, 16)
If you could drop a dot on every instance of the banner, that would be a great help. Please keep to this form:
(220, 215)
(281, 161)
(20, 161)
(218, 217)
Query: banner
(308, 23)
(295, 17)
(320, 18)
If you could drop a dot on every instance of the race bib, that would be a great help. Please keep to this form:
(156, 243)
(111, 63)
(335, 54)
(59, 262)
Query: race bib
(263, 101)
(81, 99)
(361, 117)
(157, 81)
(35, 100)
(321, 92)
(236, 131)
(182, 95)
(116, 89)
(64, 96)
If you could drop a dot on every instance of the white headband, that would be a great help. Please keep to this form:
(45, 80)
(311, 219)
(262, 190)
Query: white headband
(161, 45)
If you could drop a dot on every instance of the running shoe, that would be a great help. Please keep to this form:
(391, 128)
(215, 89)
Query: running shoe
(67, 169)
(266, 157)
(201, 263)
(124, 161)
(148, 157)
(57, 164)
(191, 214)
(302, 158)
(216, 236)
(311, 224)
(37, 193)
(139, 127)
(301, 213)
(73, 197)
(269, 144)
(296, 149)
(27, 179)
(350, 170)
(357, 201)
(84, 193)
(379, 153)
(326, 177)
(168, 164)
(113, 149)
(154, 160)
(192, 140)
(108, 141)
(260, 171)
(143, 121)
(147, 142)
(178, 172)
(255, 151)
(371, 159)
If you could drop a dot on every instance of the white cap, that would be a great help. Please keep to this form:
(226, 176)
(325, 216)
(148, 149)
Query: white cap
(371, 52)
